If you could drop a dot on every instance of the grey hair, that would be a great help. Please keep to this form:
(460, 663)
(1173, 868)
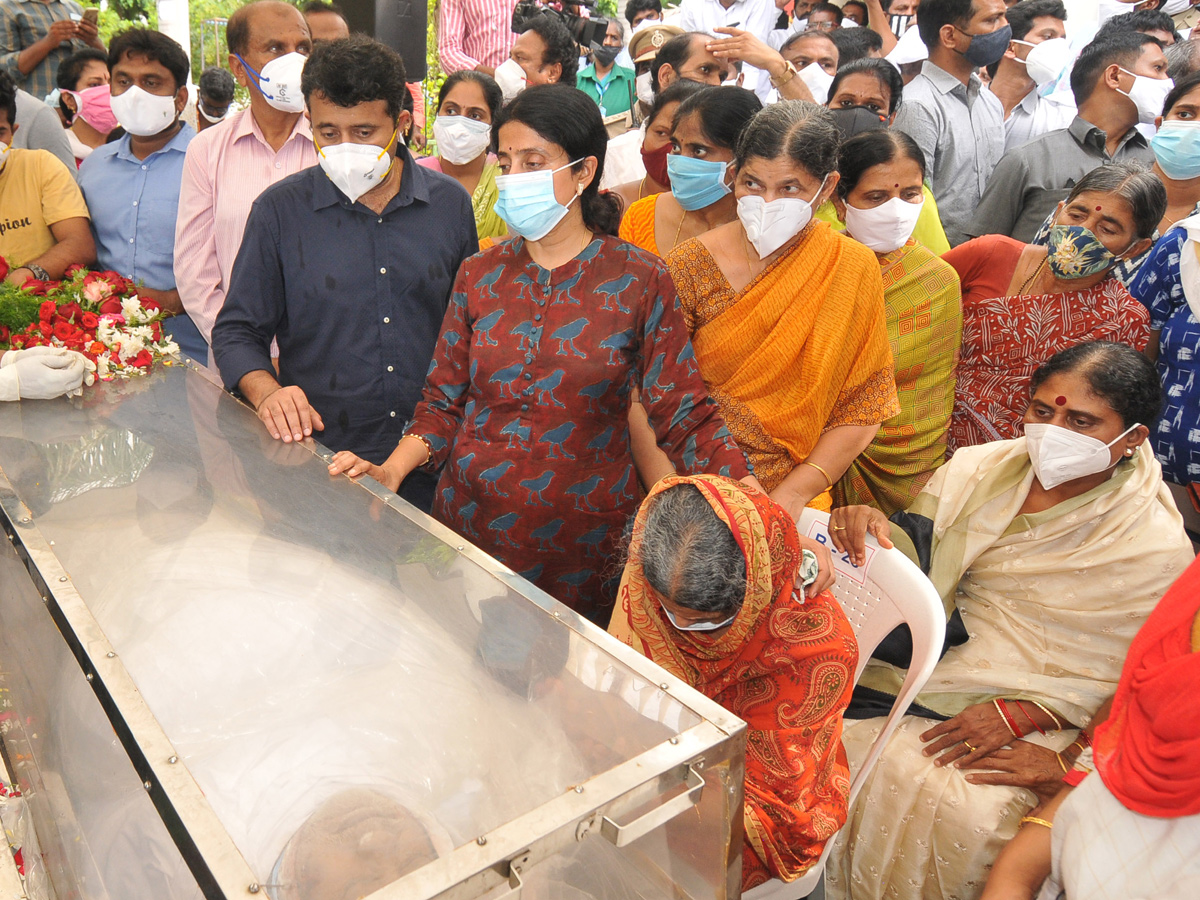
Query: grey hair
(806, 132)
(690, 556)
(1134, 183)
(1183, 58)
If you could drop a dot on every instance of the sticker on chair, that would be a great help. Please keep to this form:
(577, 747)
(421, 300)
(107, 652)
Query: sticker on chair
(819, 532)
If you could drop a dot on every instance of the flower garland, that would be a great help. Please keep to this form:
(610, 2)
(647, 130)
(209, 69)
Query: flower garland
(98, 314)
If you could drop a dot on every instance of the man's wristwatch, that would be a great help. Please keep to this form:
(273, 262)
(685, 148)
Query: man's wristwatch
(38, 272)
(789, 72)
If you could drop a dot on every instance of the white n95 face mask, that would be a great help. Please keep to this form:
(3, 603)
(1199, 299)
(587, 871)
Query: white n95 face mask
(771, 225)
(511, 78)
(279, 81)
(1148, 95)
(459, 139)
(818, 81)
(886, 227)
(645, 90)
(1060, 455)
(1048, 60)
(142, 113)
(355, 168)
(697, 626)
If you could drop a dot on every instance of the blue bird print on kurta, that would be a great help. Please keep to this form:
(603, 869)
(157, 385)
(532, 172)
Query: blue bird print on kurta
(549, 359)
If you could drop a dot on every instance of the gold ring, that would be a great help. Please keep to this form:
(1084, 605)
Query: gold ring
(837, 527)
(969, 747)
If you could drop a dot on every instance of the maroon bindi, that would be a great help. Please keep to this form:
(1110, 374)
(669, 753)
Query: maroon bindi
(1060, 400)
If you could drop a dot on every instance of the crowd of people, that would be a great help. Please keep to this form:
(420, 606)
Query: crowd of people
(930, 267)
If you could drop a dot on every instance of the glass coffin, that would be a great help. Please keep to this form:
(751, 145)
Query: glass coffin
(227, 674)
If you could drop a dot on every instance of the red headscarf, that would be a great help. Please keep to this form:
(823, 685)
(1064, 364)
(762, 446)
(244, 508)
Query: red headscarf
(785, 665)
(1148, 750)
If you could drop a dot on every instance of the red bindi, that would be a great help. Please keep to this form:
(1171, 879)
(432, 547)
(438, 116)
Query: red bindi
(1060, 400)
(1099, 209)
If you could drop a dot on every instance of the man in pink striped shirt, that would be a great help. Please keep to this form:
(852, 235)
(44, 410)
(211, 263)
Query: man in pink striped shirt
(229, 165)
(474, 34)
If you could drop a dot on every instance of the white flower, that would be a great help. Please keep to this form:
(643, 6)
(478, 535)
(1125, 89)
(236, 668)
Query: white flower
(132, 308)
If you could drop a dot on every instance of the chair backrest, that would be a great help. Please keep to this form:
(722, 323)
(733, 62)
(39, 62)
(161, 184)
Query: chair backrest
(886, 591)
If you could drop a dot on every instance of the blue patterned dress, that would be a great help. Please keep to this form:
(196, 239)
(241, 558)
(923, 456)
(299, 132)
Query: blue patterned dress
(526, 404)
(1176, 437)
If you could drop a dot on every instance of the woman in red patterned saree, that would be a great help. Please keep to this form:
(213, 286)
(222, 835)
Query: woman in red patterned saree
(1022, 303)
(710, 594)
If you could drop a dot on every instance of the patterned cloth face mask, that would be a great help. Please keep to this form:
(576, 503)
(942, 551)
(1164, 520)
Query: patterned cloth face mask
(1075, 252)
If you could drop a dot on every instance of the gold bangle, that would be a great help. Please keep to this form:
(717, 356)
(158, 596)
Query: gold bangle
(428, 448)
(828, 480)
(1036, 821)
(1062, 763)
(1053, 718)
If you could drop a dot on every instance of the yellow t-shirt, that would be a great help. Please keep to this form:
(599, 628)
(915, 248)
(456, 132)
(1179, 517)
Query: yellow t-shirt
(36, 191)
(929, 231)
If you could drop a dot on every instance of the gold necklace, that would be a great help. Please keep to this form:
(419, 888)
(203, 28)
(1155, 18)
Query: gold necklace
(642, 186)
(1035, 274)
(678, 228)
(746, 248)
(1171, 222)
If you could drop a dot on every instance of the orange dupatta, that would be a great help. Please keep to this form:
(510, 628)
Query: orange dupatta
(785, 666)
(1148, 749)
(801, 349)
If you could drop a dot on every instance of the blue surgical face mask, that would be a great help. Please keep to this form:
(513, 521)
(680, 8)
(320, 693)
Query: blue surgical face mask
(696, 183)
(1177, 149)
(527, 202)
(698, 626)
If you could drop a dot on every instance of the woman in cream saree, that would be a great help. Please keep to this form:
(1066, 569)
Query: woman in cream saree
(1044, 603)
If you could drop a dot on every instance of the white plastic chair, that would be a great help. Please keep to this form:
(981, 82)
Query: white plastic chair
(887, 591)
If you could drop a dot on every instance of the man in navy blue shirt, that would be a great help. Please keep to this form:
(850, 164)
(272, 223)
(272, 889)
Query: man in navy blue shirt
(349, 266)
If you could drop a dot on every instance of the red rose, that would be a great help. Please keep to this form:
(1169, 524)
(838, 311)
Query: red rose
(119, 285)
(150, 305)
(39, 288)
(47, 310)
(45, 329)
(63, 329)
(89, 321)
(3, 268)
(156, 330)
(5, 334)
(73, 269)
(143, 360)
(111, 306)
(70, 311)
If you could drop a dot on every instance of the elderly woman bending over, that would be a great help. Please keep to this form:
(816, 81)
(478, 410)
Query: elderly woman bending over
(710, 594)
(1049, 552)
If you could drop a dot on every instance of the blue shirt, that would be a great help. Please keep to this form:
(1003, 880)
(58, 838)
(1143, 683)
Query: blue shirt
(134, 203)
(354, 299)
(1158, 285)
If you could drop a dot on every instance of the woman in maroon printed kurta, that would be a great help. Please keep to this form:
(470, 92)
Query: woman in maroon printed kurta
(525, 405)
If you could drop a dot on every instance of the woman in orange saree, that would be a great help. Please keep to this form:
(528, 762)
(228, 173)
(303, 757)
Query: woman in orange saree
(709, 593)
(787, 316)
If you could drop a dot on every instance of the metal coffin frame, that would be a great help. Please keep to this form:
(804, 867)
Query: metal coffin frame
(595, 809)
